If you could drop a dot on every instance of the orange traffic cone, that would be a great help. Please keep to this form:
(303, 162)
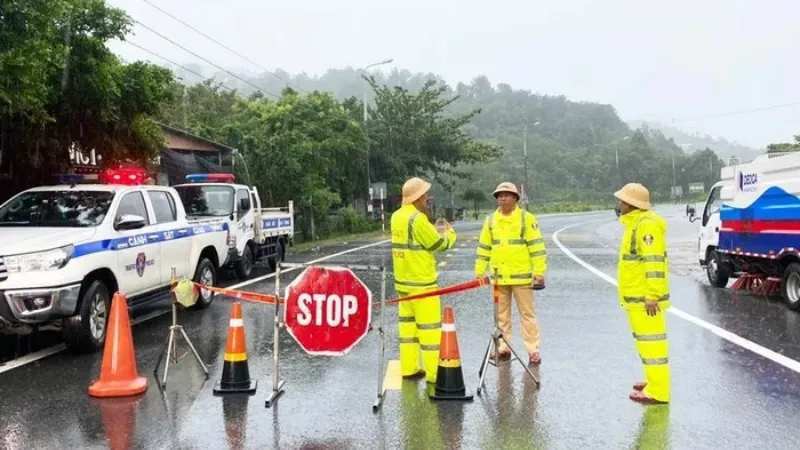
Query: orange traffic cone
(449, 377)
(118, 374)
(235, 373)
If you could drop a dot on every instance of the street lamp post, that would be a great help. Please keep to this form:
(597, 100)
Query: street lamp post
(369, 180)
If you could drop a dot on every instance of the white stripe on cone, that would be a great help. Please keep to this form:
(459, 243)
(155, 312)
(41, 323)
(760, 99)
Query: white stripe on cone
(448, 327)
(237, 322)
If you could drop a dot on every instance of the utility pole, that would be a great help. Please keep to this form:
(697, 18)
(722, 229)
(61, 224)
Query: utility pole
(674, 178)
(369, 181)
(525, 163)
(711, 167)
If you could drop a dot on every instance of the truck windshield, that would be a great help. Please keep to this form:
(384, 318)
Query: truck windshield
(56, 209)
(206, 200)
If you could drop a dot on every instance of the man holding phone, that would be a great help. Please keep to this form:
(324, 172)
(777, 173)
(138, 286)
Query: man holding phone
(414, 242)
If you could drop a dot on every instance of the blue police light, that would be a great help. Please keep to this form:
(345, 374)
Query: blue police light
(209, 177)
(75, 178)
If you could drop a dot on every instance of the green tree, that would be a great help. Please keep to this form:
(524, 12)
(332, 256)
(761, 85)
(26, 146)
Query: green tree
(785, 147)
(62, 85)
(410, 134)
(476, 197)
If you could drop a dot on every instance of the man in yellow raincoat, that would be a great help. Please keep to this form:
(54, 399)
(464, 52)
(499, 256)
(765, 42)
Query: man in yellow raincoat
(511, 242)
(643, 283)
(414, 242)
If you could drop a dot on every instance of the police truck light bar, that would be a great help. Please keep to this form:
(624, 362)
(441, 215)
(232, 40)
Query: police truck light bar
(124, 176)
(75, 178)
(210, 177)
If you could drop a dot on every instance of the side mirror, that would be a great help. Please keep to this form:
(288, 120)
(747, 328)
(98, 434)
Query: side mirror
(129, 222)
(244, 204)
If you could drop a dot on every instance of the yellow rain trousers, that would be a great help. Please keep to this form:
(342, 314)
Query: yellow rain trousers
(414, 241)
(643, 273)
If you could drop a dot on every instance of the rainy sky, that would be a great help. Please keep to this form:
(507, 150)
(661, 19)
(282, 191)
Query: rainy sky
(693, 62)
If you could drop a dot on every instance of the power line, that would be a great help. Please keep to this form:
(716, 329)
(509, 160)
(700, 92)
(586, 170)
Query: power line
(182, 67)
(204, 59)
(744, 111)
(309, 123)
(222, 45)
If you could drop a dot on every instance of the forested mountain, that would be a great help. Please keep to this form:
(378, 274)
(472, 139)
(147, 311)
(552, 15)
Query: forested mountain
(576, 150)
(724, 148)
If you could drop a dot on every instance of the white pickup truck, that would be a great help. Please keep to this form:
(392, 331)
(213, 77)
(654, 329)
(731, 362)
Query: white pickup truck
(256, 233)
(65, 250)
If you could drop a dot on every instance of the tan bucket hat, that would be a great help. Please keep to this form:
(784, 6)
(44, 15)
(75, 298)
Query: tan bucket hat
(413, 189)
(634, 194)
(506, 187)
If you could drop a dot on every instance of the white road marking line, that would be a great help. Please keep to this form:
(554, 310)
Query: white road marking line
(272, 275)
(27, 359)
(49, 351)
(724, 334)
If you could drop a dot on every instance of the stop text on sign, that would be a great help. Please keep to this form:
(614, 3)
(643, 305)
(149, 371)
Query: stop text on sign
(337, 310)
(327, 310)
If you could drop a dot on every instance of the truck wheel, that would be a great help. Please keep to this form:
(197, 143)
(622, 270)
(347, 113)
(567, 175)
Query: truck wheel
(244, 267)
(718, 273)
(790, 288)
(206, 274)
(85, 332)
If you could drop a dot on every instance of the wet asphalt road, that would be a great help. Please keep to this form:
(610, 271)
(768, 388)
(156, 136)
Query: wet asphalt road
(723, 395)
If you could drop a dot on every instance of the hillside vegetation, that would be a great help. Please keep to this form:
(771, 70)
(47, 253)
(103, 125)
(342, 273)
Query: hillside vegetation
(577, 151)
(724, 148)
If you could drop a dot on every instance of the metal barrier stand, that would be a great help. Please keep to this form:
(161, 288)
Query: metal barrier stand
(171, 349)
(494, 341)
(382, 347)
(277, 382)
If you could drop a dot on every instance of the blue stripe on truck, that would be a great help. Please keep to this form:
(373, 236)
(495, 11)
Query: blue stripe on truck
(147, 238)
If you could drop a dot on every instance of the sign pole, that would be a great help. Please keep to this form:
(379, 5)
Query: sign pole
(382, 346)
(383, 220)
(277, 383)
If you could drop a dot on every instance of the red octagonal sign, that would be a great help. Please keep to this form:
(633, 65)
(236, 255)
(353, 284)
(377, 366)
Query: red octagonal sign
(328, 310)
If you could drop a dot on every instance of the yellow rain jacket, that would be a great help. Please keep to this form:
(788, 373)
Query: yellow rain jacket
(414, 240)
(514, 245)
(642, 271)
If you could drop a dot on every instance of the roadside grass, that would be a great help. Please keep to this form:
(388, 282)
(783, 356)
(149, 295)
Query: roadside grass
(549, 207)
(333, 240)
(552, 207)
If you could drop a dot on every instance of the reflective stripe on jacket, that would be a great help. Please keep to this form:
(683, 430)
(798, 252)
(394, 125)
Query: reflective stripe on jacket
(643, 271)
(414, 240)
(513, 244)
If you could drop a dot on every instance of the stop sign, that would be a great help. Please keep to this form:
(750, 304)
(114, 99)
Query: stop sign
(328, 310)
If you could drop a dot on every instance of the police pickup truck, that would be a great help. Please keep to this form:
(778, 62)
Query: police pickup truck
(256, 233)
(65, 250)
